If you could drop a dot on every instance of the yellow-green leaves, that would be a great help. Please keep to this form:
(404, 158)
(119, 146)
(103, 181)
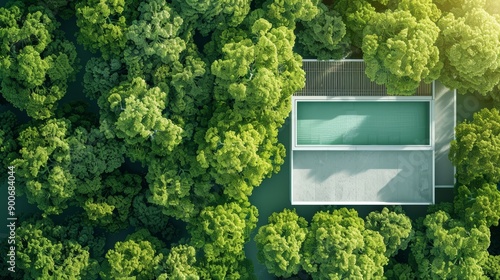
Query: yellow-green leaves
(476, 148)
(470, 47)
(36, 63)
(102, 25)
(279, 243)
(400, 51)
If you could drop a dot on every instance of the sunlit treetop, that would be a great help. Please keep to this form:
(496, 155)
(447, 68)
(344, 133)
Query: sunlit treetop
(36, 62)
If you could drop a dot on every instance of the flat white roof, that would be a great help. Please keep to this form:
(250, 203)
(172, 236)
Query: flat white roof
(362, 177)
(370, 174)
(362, 174)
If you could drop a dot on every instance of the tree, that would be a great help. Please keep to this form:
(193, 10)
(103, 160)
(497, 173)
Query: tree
(469, 44)
(36, 62)
(356, 14)
(324, 36)
(102, 75)
(447, 249)
(49, 183)
(287, 12)
(208, 15)
(179, 185)
(399, 271)
(61, 164)
(399, 51)
(110, 204)
(478, 205)
(492, 267)
(138, 257)
(394, 226)
(43, 254)
(280, 241)
(63, 8)
(221, 232)
(180, 264)
(8, 135)
(338, 246)
(135, 113)
(102, 25)
(153, 39)
(475, 151)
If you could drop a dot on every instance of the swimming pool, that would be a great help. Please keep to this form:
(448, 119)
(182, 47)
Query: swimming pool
(366, 122)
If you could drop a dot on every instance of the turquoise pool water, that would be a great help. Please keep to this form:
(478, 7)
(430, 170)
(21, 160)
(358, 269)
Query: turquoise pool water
(363, 123)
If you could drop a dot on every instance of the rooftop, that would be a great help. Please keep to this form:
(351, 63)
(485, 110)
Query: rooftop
(353, 146)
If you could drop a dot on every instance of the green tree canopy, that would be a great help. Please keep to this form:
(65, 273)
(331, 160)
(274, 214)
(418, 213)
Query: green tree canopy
(61, 164)
(103, 25)
(49, 183)
(476, 149)
(148, 215)
(394, 226)
(324, 36)
(36, 62)
(109, 205)
(179, 185)
(8, 135)
(399, 50)
(221, 232)
(180, 264)
(153, 39)
(492, 267)
(446, 249)
(43, 254)
(134, 112)
(102, 75)
(338, 246)
(356, 14)
(469, 44)
(280, 241)
(210, 15)
(478, 205)
(140, 256)
(287, 12)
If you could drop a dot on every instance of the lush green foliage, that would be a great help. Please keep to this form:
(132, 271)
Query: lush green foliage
(446, 249)
(280, 241)
(43, 252)
(187, 98)
(8, 144)
(469, 42)
(257, 70)
(60, 164)
(221, 232)
(475, 151)
(478, 205)
(138, 257)
(394, 226)
(180, 264)
(36, 62)
(324, 36)
(399, 50)
(102, 25)
(338, 246)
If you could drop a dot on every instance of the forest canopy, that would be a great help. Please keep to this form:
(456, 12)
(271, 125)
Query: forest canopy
(141, 131)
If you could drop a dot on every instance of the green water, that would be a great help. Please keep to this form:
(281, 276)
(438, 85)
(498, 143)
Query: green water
(363, 123)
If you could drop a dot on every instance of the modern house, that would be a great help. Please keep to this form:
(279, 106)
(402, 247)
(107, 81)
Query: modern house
(354, 144)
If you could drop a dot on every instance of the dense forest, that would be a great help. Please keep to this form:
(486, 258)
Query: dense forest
(177, 121)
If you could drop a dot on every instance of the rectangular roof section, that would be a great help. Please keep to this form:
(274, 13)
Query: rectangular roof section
(344, 78)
